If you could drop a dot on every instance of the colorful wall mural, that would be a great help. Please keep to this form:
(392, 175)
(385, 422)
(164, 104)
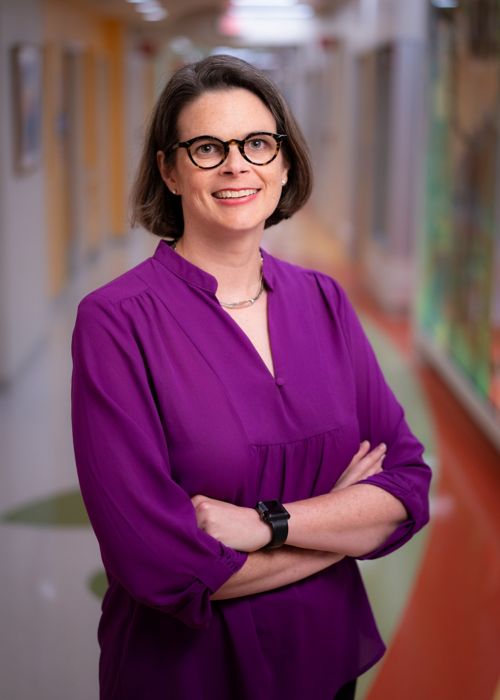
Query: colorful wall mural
(459, 305)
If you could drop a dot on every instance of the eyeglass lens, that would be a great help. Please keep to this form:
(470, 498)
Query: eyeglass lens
(210, 152)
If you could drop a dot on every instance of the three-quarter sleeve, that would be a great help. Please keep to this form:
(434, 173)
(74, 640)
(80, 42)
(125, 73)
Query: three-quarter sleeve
(381, 419)
(144, 522)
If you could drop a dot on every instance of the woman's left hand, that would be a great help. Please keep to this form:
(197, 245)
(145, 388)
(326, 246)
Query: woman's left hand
(234, 526)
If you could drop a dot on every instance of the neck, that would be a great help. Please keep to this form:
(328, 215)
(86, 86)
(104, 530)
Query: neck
(236, 265)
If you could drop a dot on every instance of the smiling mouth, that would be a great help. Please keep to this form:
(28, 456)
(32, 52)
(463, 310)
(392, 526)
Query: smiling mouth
(233, 194)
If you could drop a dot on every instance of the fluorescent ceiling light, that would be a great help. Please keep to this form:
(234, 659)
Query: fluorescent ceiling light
(148, 7)
(262, 3)
(151, 10)
(445, 4)
(272, 11)
(157, 16)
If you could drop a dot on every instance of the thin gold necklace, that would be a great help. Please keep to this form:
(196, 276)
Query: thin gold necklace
(245, 302)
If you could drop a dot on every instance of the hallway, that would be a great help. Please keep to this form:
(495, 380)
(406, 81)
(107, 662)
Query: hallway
(399, 102)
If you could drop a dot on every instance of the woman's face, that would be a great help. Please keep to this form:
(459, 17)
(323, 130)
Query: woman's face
(236, 196)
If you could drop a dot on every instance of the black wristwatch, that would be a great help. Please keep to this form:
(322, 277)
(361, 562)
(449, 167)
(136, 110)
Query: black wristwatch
(276, 516)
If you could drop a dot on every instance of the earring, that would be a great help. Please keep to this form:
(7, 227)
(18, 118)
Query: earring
(284, 181)
(173, 191)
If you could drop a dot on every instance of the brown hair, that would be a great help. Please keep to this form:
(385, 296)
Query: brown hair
(153, 205)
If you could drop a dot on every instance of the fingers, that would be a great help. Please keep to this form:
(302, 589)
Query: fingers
(196, 500)
(377, 453)
(372, 462)
(365, 463)
(199, 499)
(364, 448)
(360, 454)
(364, 453)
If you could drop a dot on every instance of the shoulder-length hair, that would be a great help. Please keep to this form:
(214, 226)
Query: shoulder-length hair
(153, 205)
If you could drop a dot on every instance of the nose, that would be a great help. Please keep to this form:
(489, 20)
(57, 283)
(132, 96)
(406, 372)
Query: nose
(234, 161)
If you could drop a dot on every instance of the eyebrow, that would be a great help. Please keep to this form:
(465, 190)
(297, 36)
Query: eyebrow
(255, 132)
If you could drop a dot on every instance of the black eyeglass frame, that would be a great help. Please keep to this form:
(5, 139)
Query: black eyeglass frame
(279, 138)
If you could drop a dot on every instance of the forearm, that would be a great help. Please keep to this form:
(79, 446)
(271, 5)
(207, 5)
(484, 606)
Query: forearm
(352, 521)
(266, 570)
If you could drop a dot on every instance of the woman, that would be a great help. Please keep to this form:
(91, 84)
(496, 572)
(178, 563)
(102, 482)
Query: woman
(230, 422)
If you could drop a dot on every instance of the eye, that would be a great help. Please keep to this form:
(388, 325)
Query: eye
(257, 144)
(260, 143)
(207, 148)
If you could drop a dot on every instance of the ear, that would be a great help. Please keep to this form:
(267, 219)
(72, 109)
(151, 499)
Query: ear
(167, 173)
(285, 169)
(284, 174)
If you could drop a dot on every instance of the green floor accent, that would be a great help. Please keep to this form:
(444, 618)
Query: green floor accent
(64, 509)
(404, 384)
(98, 584)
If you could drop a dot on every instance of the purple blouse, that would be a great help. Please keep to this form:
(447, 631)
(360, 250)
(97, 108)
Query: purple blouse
(170, 399)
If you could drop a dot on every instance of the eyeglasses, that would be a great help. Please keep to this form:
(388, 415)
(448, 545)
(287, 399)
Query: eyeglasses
(258, 148)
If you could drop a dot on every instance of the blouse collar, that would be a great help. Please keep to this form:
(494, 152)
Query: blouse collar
(197, 277)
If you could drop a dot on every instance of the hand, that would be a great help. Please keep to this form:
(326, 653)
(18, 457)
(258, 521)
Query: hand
(365, 463)
(234, 526)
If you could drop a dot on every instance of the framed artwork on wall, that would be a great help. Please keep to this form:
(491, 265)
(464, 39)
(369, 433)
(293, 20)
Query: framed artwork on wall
(26, 75)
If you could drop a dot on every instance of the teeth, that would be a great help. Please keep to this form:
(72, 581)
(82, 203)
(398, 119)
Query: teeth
(233, 194)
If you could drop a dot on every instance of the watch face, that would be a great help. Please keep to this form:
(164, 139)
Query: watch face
(273, 509)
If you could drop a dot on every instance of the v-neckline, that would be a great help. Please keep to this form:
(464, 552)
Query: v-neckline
(198, 278)
(273, 374)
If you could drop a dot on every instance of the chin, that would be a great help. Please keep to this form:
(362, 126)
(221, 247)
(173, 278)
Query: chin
(242, 220)
(242, 223)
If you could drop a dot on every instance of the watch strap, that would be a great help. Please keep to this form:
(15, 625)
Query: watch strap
(274, 514)
(280, 533)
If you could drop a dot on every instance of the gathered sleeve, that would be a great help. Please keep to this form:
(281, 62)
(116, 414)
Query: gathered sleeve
(381, 419)
(144, 521)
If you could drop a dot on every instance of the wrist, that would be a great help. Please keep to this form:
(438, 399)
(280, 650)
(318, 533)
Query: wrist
(265, 533)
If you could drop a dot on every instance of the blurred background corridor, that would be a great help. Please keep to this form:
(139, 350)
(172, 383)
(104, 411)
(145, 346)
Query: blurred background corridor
(400, 104)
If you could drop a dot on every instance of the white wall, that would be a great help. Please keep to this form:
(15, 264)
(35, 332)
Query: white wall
(333, 127)
(23, 249)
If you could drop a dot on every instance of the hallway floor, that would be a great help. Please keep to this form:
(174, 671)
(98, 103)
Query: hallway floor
(51, 578)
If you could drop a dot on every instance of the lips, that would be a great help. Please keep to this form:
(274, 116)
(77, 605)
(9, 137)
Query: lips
(234, 194)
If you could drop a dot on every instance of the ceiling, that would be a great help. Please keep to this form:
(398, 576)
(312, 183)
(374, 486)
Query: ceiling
(182, 12)
(177, 9)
